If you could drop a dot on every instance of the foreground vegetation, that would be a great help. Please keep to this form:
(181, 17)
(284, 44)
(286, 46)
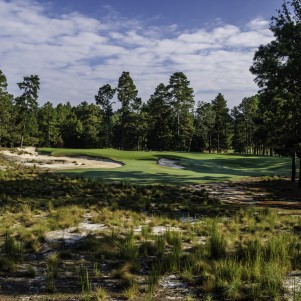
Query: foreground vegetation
(151, 242)
(142, 167)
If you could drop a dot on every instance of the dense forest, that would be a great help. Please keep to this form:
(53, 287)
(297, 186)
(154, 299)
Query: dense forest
(169, 120)
(268, 123)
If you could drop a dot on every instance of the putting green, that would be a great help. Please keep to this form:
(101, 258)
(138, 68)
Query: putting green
(140, 167)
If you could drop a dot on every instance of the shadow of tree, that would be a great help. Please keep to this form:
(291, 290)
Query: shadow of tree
(141, 177)
(38, 190)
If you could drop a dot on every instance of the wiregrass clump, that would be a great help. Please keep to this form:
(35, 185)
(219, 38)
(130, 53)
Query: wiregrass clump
(240, 255)
(129, 249)
(86, 286)
(217, 242)
(52, 269)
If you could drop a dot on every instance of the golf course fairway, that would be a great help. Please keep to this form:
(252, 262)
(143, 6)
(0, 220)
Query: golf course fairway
(141, 167)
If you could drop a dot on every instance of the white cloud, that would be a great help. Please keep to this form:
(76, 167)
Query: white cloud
(75, 54)
(258, 24)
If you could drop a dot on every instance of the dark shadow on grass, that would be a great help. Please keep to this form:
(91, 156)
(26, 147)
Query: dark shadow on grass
(140, 177)
(166, 200)
(236, 166)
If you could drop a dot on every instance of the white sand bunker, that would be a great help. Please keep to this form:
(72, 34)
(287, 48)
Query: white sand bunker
(170, 163)
(30, 157)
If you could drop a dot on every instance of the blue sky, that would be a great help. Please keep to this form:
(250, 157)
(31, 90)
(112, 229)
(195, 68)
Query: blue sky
(187, 14)
(76, 46)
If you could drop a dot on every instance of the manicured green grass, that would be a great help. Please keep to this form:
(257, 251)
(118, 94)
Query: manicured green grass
(140, 167)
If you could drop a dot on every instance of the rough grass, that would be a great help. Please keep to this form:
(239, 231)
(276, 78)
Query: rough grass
(140, 167)
(228, 253)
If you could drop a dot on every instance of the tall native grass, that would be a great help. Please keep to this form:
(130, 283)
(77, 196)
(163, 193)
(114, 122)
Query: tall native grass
(13, 251)
(228, 277)
(129, 249)
(217, 242)
(52, 269)
(86, 286)
(241, 255)
(100, 294)
(66, 217)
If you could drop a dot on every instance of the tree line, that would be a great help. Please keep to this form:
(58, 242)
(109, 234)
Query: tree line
(169, 120)
(267, 123)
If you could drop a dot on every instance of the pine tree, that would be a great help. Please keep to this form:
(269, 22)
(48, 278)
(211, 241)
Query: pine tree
(182, 103)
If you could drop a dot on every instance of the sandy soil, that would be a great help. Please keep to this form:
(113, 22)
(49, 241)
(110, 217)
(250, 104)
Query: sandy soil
(170, 163)
(30, 157)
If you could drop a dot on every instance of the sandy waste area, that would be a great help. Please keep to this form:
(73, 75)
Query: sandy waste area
(30, 157)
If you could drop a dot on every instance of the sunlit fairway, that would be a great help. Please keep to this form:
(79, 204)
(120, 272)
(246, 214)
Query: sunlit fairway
(142, 168)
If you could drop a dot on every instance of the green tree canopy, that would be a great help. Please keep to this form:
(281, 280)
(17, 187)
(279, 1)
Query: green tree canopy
(277, 67)
(6, 112)
(130, 104)
(104, 100)
(182, 103)
(27, 104)
(220, 139)
(160, 120)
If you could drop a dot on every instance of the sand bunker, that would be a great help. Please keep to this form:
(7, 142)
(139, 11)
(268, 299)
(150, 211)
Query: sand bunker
(30, 157)
(170, 163)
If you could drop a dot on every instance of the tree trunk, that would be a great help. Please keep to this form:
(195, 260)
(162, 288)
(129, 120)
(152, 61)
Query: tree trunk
(271, 152)
(48, 134)
(293, 176)
(226, 136)
(209, 143)
(299, 182)
(178, 130)
(122, 131)
(109, 136)
(247, 147)
(218, 141)
(250, 138)
(109, 132)
(22, 133)
(21, 141)
(48, 127)
(22, 136)
(189, 145)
